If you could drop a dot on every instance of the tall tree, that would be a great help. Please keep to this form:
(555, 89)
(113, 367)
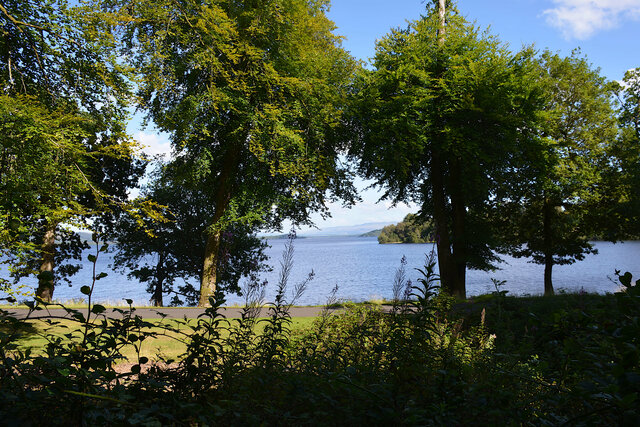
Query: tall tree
(562, 208)
(626, 152)
(62, 122)
(444, 118)
(252, 94)
(175, 247)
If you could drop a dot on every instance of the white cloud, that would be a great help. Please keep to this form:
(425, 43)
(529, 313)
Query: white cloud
(155, 144)
(580, 19)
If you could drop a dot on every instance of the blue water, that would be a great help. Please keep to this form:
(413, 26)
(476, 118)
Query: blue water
(364, 269)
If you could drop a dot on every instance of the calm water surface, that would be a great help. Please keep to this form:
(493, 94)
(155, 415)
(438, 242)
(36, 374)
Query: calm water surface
(364, 269)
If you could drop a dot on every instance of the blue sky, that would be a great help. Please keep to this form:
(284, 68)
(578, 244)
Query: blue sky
(607, 31)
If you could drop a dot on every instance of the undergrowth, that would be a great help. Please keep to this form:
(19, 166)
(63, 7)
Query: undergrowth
(428, 360)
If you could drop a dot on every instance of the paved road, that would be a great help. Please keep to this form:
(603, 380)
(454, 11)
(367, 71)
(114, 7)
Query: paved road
(171, 313)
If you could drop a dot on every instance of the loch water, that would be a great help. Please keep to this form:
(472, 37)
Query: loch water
(364, 270)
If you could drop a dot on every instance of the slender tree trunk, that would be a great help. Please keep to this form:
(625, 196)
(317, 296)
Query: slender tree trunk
(442, 21)
(156, 299)
(46, 278)
(222, 198)
(548, 247)
(459, 211)
(548, 267)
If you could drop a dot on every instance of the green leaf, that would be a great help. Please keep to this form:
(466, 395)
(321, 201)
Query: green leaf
(86, 290)
(143, 360)
(91, 258)
(135, 369)
(97, 309)
(101, 276)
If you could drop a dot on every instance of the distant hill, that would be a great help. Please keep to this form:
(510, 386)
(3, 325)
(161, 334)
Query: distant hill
(280, 237)
(372, 233)
(346, 230)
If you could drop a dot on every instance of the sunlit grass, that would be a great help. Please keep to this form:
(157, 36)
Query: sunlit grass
(168, 340)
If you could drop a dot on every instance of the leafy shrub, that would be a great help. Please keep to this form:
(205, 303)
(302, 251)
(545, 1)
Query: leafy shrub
(425, 360)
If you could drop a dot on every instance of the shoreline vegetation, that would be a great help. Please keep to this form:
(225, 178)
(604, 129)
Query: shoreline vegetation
(411, 229)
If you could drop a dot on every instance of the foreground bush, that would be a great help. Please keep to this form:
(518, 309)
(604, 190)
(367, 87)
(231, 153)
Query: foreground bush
(426, 361)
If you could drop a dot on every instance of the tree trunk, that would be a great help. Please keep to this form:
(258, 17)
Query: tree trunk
(548, 266)
(46, 278)
(459, 211)
(222, 198)
(156, 299)
(442, 21)
(548, 247)
(445, 264)
(210, 269)
(441, 218)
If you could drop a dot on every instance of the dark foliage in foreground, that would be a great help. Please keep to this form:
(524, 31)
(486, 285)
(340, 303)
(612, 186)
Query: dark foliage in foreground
(565, 359)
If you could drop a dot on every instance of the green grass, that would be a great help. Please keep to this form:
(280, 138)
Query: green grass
(167, 343)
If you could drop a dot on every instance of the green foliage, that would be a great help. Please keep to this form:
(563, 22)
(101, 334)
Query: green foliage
(568, 201)
(161, 252)
(65, 156)
(448, 126)
(411, 230)
(252, 95)
(626, 174)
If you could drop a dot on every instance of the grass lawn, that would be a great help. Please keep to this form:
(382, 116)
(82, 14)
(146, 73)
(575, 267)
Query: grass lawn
(169, 343)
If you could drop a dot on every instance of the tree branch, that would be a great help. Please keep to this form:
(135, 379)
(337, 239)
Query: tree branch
(18, 23)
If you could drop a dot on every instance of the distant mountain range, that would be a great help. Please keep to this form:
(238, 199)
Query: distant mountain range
(369, 229)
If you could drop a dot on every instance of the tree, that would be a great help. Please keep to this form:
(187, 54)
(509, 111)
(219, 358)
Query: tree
(62, 123)
(563, 206)
(252, 94)
(445, 119)
(175, 247)
(625, 175)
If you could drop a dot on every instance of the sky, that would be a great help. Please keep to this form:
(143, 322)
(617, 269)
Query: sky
(606, 31)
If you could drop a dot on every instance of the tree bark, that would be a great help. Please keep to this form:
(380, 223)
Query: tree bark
(548, 247)
(156, 299)
(443, 241)
(459, 211)
(442, 21)
(210, 269)
(46, 281)
(222, 198)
